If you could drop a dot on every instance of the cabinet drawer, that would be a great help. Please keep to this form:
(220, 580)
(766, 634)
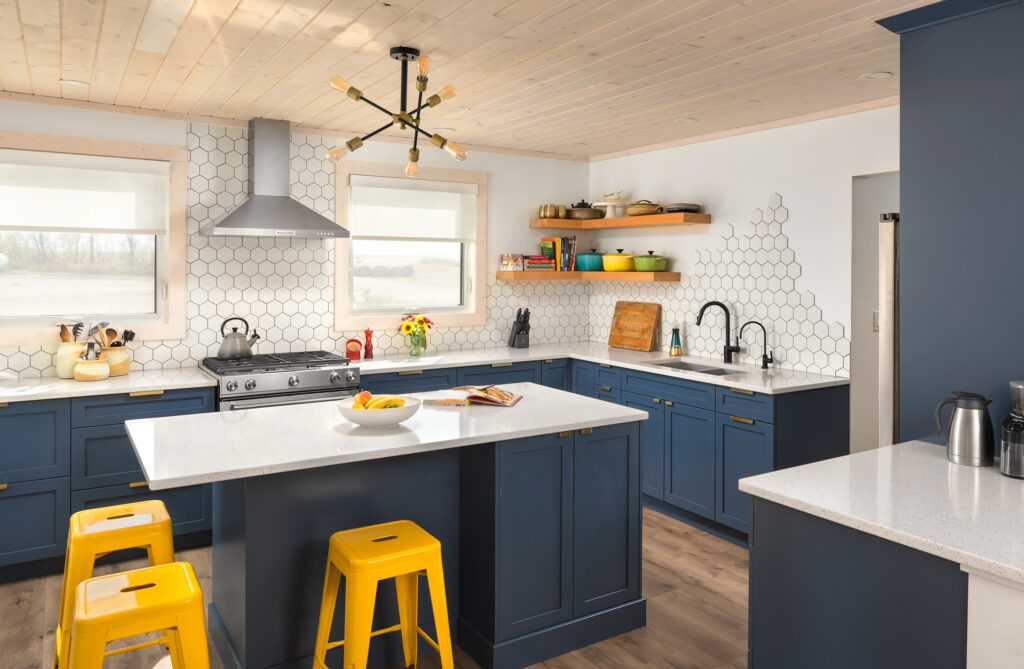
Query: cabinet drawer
(102, 456)
(608, 394)
(482, 375)
(35, 440)
(680, 391)
(412, 381)
(746, 403)
(115, 409)
(608, 376)
(189, 508)
(34, 520)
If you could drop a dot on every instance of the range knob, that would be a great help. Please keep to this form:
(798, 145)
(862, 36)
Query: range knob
(293, 380)
(350, 377)
(232, 385)
(250, 384)
(334, 377)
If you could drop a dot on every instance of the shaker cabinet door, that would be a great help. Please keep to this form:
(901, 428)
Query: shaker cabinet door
(745, 448)
(690, 458)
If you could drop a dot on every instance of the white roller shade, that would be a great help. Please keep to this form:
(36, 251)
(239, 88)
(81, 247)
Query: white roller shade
(63, 192)
(386, 208)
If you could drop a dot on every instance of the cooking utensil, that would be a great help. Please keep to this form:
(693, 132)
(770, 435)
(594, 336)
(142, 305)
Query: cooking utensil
(128, 335)
(516, 324)
(618, 262)
(111, 335)
(65, 333)
(650, 263)
(582, 211)
(590, 262)
(971, 441)
(1011, 449)
(235, 345)
(682, 207)
(643, 208)
(634, 325)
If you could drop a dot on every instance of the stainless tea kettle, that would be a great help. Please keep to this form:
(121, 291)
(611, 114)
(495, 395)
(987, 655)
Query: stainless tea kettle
(971, 440)
(235, 345)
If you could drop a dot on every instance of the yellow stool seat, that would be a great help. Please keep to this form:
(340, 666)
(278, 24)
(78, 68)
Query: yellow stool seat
(93, 533)
(165, 598)
(401, 550)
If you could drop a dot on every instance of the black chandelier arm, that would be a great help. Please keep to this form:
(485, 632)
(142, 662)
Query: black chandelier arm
(377, 131)
(375, 105)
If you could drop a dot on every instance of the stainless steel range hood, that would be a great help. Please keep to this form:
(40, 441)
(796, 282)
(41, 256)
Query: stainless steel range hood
(270, 211)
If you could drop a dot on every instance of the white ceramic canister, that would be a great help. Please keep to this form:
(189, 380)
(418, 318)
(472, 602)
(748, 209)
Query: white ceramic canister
(68, 353)
(92, 370)
(119, 359)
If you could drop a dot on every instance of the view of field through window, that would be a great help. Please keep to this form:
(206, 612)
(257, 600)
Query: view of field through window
(70, 273)
(409, 275)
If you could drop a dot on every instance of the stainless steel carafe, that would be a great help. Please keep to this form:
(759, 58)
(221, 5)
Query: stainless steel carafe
(971, 439)
(1011, 451)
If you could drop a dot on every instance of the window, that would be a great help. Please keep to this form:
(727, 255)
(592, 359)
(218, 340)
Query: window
(88, 237)
(414, 246)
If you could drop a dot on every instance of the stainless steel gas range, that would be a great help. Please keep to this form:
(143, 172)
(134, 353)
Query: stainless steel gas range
(282, 378)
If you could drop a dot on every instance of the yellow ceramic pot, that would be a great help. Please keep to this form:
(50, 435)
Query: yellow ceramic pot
(92, 370)
(68, 354)
(618, 262)
(119, 359)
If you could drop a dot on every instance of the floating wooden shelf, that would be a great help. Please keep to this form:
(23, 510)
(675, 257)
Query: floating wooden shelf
(654, 220)
(551, 275)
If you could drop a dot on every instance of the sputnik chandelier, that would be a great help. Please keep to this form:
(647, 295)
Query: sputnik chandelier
(404, 118)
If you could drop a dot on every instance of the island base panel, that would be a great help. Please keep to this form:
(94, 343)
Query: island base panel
(826, 595)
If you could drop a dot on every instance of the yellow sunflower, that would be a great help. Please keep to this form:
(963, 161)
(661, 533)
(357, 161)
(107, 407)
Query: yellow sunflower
(420, 320)
(407, 328)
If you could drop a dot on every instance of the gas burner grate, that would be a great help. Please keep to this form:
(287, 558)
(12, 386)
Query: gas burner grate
(275, 362)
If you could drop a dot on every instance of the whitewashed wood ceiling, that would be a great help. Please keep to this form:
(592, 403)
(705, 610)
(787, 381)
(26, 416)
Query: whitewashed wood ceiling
(575, 77)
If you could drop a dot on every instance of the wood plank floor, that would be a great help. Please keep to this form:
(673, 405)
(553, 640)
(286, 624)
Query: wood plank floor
(695, 584)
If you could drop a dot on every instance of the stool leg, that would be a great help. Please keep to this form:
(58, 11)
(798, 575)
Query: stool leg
(78, 567)
(60, 643)
(327, 602)
(406, 586)
(435, 579)
(173, 644)
(192, 641)
(360, 596)
(160, 548)
(87, 650)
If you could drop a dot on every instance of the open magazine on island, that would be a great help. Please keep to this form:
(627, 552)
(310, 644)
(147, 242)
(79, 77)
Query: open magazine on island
(492, 395)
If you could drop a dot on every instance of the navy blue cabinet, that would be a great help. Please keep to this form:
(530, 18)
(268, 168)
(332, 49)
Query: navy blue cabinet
(35, 440)
(745, 447)
(584, 375)
(412, 381)
(555, 373)
(116, 409)
(690, 458)
(534, 532)
(499, 372)
(652, 443)
(101, 456)
(191, 508)
(34, 519)
(606, 518)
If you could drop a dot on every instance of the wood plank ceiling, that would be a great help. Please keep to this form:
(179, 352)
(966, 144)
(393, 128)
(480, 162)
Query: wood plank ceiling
(573, 77)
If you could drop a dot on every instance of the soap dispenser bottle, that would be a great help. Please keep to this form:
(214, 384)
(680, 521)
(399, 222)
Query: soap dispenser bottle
(675, 348)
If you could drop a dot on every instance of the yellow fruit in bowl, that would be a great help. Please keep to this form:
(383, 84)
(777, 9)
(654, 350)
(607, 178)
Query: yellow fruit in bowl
(386, 402)
(363, 398)
(357, 405)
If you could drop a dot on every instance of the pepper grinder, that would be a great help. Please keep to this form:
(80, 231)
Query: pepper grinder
(368, 347)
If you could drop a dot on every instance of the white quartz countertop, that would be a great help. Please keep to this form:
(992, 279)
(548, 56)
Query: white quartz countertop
(911, 494)
(747, 377)
(201, 448)
(50, 387)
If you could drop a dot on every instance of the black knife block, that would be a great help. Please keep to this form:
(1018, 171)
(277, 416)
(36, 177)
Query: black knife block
(520, 340)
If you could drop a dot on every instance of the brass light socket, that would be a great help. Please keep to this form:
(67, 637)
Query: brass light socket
(438, 141)
(421, 83)
(354, 93)
(433, 100)
(354, 143)
(414, 155)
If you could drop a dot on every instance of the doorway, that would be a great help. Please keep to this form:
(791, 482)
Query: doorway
(873, 195)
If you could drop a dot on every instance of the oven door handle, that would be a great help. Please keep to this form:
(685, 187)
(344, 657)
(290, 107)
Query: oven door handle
(234, 405)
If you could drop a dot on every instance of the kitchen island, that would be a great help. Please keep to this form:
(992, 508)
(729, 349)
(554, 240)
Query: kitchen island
(537, 508)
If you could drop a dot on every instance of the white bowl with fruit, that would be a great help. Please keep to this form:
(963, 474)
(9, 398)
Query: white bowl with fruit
(371, 410)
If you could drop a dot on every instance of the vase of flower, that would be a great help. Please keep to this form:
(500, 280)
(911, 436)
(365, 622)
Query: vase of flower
(415, 327)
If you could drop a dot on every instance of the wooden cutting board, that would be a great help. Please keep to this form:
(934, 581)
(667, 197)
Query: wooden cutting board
(634, 325)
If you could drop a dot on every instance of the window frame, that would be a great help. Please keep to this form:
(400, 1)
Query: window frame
(171, 322)
(475, 264)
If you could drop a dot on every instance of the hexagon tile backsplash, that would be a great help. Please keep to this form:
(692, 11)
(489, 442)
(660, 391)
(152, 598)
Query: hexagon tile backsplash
(285, 287)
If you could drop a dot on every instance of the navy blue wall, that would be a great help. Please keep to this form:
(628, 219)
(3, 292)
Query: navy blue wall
(962, 212)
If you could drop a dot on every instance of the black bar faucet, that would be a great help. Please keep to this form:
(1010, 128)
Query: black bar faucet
(766, 355)
(729, 347)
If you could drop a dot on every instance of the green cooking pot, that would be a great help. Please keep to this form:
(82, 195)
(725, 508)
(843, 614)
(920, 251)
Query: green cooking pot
(590, 262)
(650, 263)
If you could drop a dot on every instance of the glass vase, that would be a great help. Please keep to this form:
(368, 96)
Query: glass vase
(417, 344)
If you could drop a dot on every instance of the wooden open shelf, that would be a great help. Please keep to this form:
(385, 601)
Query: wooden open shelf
(551, 275)
(654, 220)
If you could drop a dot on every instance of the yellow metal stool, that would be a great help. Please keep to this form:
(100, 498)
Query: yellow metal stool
(96, 532)
(165, 598)
(400, 550)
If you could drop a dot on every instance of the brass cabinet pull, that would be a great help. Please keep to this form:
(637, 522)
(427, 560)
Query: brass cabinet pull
(586, 430)
(564, 434)
(604, 365)
(137, 484)
(669, 403)
(741, 391)
(3, 404)
(607, 389)
(548, 362)
(738, 419)
(501, 364)
(3, 486)
(410, 372)
(657, 400)
(145, 393)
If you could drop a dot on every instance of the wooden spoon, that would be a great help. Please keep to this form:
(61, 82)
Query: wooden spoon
(111, 335)
(65, 333)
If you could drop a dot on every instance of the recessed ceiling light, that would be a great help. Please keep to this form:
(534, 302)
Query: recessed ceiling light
(73, 82)
(686, 119)
(875, 75)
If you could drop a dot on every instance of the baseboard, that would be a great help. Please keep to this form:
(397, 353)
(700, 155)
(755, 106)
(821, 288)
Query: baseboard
(553, 641)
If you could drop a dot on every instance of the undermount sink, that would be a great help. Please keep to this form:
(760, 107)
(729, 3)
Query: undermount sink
(694, 367)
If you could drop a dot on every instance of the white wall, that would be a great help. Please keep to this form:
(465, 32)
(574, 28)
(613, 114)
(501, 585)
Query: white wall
(56, 120)
(811, 165)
